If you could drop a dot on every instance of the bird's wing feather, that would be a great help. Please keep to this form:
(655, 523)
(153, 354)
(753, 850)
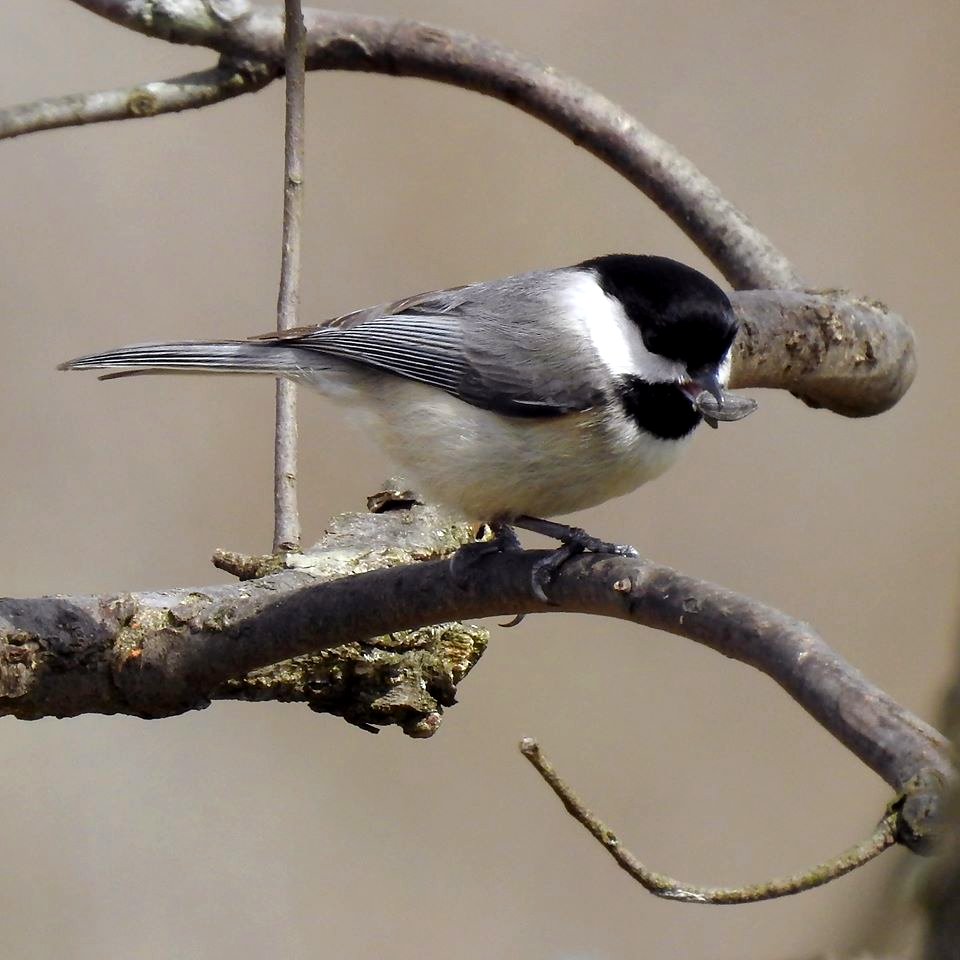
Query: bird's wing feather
(427, 349)
(492, 345)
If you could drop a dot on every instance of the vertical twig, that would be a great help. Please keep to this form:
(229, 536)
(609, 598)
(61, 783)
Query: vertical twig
(286, 522)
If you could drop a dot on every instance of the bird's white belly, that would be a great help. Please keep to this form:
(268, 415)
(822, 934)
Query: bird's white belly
(487, 466)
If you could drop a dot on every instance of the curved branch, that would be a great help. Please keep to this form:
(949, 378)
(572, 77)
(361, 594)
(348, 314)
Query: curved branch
(156, 654)
(230, 78)
(347, 41)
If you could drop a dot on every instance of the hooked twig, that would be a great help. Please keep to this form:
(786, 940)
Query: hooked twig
(661, 885)
(286, 523)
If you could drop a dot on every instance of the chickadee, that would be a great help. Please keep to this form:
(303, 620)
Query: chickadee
(508, 400)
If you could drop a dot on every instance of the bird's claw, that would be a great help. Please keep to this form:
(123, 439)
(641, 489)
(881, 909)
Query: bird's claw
(574, 541)
(584, 543)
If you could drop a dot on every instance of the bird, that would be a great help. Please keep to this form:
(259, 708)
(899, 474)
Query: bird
(514, 400)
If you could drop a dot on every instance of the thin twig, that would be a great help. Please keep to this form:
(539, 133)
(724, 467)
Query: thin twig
(286, 526)
(663, 886)
(228, 79)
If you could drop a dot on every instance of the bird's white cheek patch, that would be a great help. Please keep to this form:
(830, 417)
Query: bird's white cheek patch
(723, 372)
(614, 335)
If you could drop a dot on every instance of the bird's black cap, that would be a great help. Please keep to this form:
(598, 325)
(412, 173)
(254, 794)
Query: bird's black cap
(681, 314)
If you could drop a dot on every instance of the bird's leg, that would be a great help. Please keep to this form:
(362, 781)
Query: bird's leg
(573, 541)
(579, 539)
(504, 540)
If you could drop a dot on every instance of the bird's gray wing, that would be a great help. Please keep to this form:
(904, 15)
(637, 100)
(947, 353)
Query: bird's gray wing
(490, 344)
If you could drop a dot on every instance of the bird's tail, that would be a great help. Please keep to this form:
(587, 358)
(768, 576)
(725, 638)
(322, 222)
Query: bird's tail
(195, 356)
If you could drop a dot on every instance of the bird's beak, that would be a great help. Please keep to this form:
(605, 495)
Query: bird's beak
(704, 380)
(709, 381)
(707, 395)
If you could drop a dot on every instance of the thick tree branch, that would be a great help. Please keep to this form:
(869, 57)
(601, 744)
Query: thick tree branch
(63, 656)
(155, 654)
(832, 350)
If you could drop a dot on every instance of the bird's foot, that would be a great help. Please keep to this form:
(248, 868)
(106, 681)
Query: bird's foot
(574, 540)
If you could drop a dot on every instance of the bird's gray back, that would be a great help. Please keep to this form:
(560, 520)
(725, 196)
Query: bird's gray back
(503, 344)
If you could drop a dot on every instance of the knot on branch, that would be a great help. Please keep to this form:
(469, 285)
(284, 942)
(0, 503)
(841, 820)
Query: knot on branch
(142, 103)
(248, 74)
(919, 810)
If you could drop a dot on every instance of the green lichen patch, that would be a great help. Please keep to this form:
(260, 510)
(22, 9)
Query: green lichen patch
(404, 679)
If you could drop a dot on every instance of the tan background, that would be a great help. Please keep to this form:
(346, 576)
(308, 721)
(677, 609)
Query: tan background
(266, 831)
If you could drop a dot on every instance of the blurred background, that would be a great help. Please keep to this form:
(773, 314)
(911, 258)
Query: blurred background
(247, 831)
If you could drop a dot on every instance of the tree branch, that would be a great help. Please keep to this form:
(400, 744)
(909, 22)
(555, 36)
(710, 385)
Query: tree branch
(64, 656)
(157, 654)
